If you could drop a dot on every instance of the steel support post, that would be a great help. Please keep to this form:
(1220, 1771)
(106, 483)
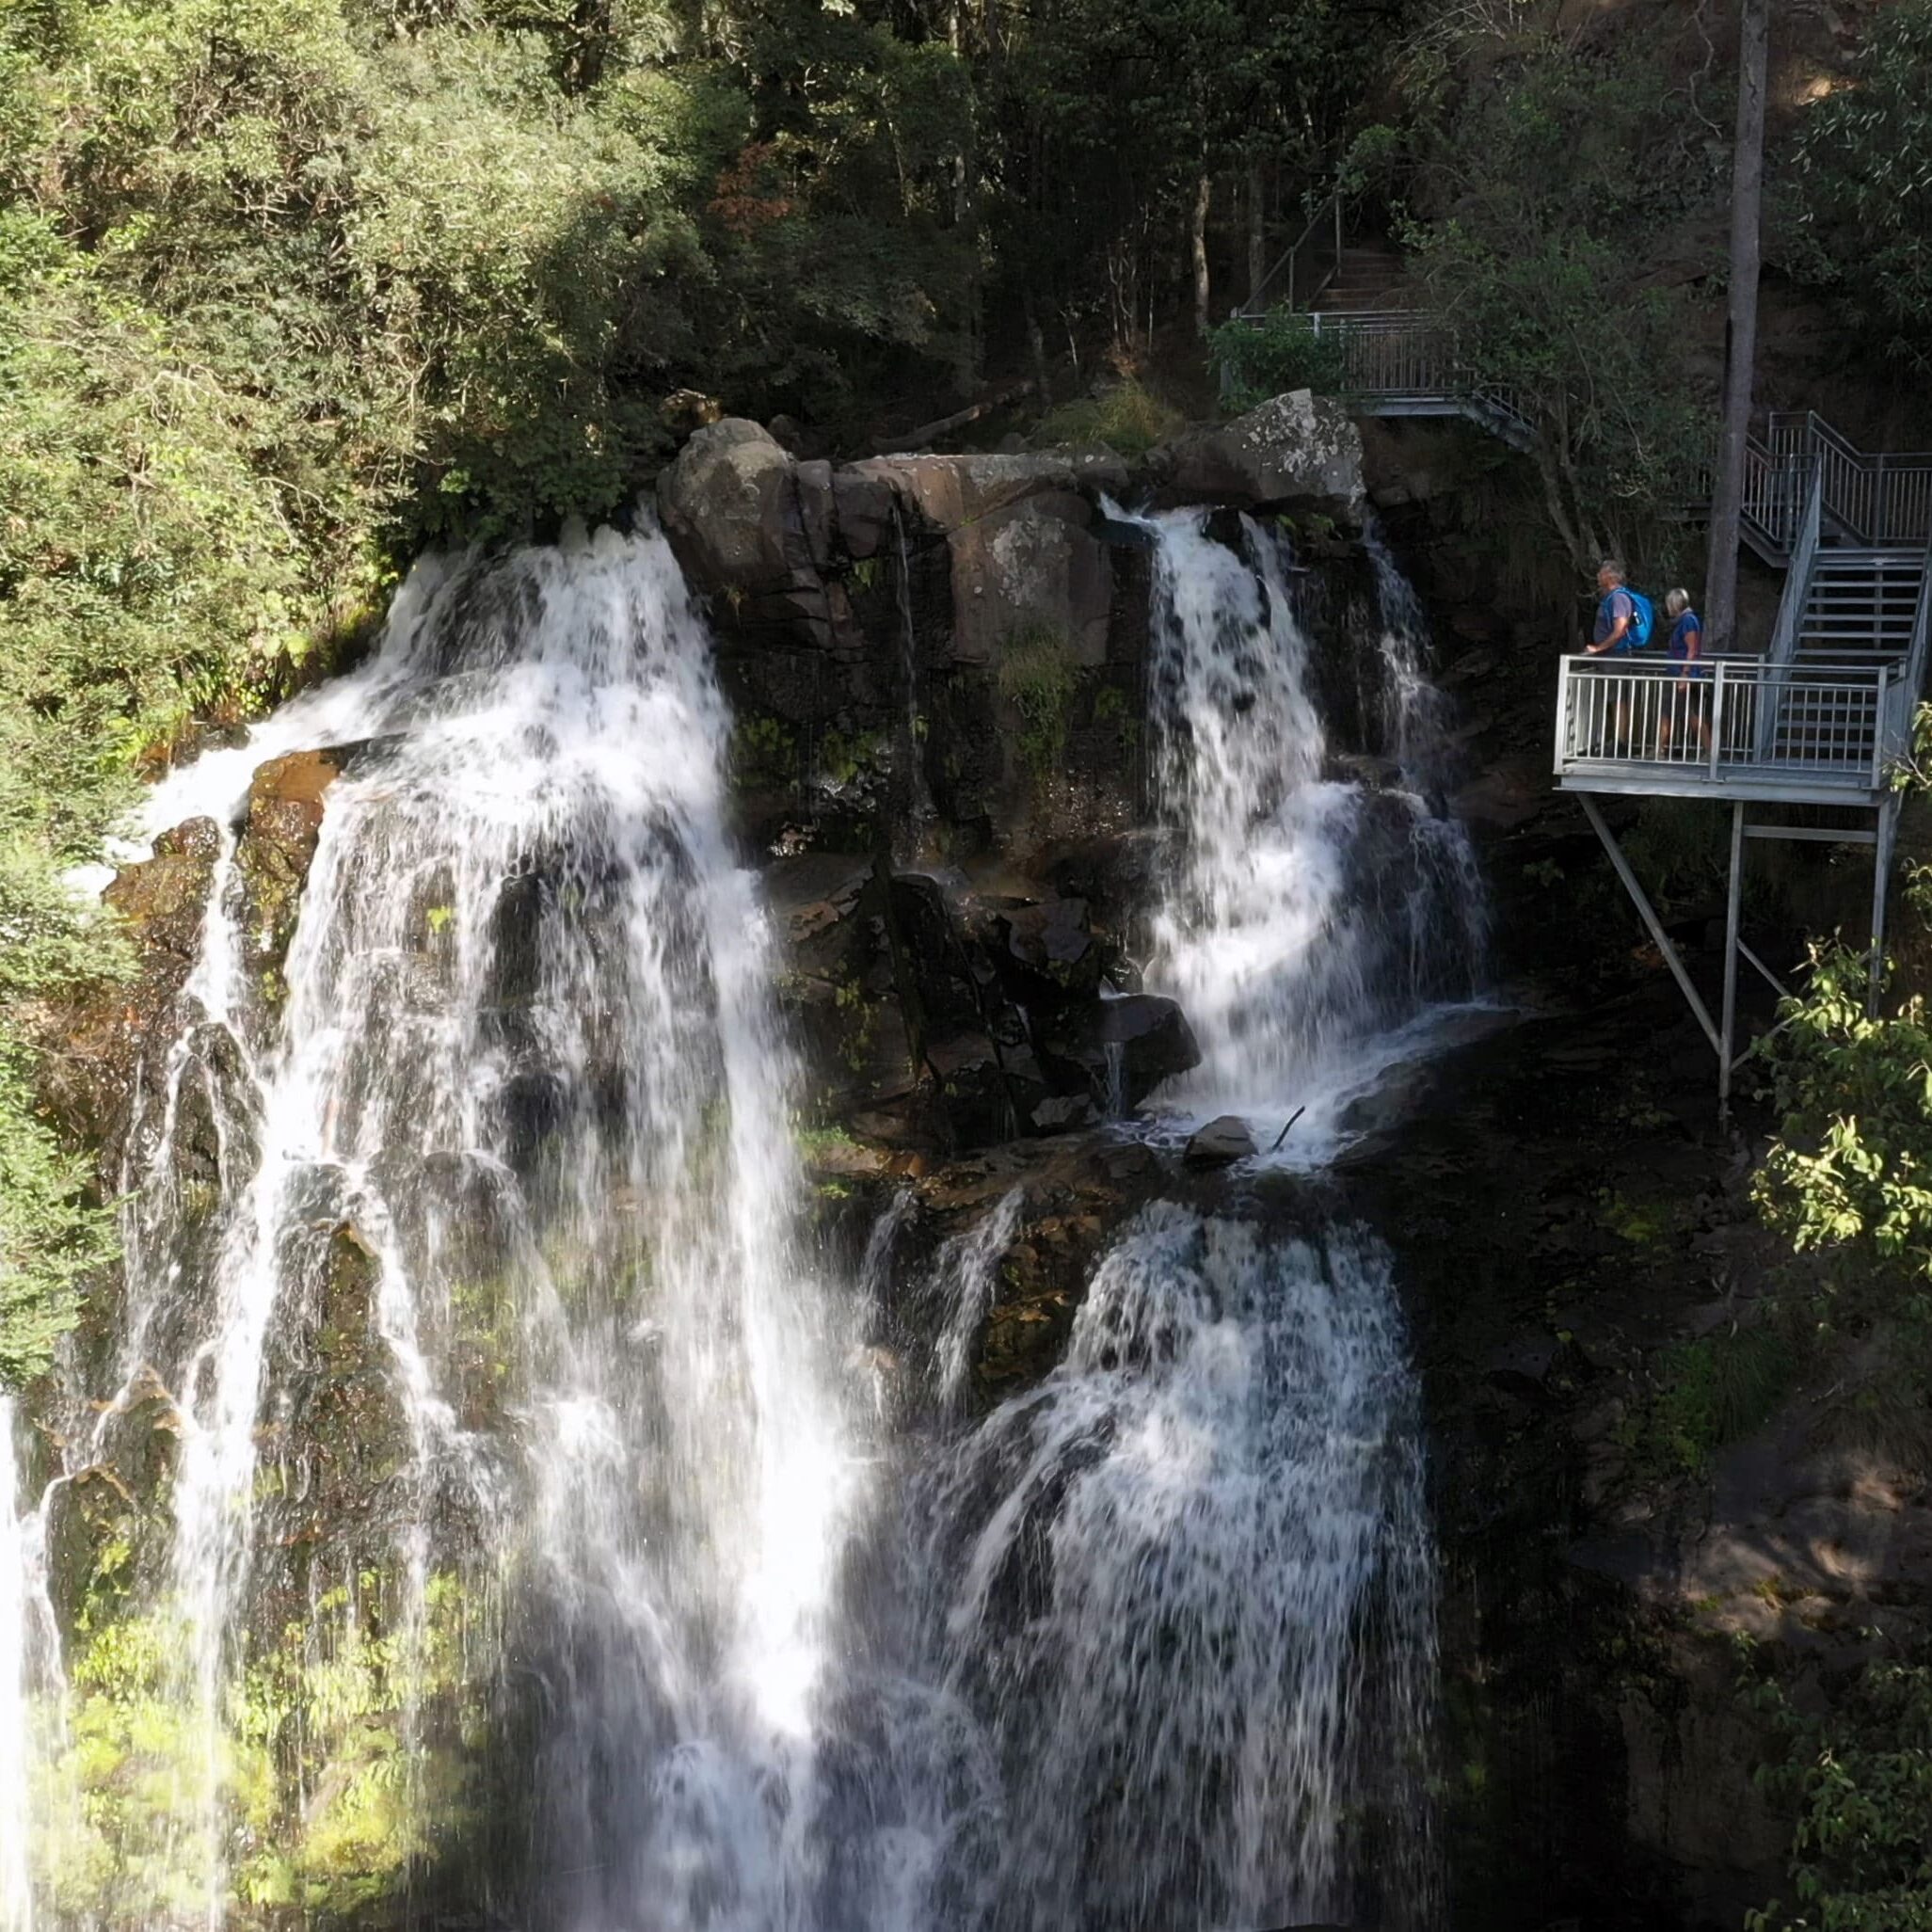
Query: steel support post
(1882, 878)
(1734, 908)
(1654, 925)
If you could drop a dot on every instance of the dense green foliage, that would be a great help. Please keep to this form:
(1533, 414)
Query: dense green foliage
(1852, 1168)
(1537, 240)
(1277, 353)
(1860, 1781)
(1863, 188)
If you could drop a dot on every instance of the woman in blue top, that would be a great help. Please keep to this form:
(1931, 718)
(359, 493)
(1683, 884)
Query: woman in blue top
(1689, 700)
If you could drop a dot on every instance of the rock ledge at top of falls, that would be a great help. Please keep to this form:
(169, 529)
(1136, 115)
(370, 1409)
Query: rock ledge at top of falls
(1294, 448)
(780, 540)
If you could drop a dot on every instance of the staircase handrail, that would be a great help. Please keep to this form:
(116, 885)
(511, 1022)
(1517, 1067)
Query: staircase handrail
(1882, 499)
(1798, 579)
(1328, 215)
(1896, 728)
(1790, 609)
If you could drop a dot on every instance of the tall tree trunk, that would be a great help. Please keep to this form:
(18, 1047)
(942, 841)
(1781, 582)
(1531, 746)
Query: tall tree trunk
(1741, 331)
(1197, 236)
(1258, 229)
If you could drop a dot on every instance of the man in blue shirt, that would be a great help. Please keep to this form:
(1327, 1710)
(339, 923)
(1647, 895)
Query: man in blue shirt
(1616, 613)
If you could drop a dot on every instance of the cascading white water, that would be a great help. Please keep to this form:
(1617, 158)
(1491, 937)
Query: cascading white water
(1307, 915)
(1186, 1584)
(1149, 1644)
(16, 1893)
(526, 1057)
(961, 1289)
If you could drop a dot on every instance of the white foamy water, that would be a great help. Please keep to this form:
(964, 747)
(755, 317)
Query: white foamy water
(525, 1052)
(1149, 1644)
(1307, 918)
(1188, 1581)
(960, 1291)
(16, 1893)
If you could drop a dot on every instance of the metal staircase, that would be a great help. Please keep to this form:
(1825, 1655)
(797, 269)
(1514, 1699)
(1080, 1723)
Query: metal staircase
(1860, 605)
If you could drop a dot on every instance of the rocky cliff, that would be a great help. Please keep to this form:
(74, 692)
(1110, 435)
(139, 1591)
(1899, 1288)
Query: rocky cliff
(938, 670)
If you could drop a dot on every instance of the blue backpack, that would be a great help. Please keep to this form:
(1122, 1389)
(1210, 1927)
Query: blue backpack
(1643, 621)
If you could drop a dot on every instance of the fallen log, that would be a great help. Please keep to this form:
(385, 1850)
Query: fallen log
(921, 438)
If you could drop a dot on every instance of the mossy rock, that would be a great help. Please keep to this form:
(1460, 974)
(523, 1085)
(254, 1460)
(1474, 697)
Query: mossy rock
(276, 850)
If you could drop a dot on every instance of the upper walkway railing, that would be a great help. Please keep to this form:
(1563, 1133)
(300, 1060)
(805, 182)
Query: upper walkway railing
(1880, 501)
(1310, 264)
(1405, 362)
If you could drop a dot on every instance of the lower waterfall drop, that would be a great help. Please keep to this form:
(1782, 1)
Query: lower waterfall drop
(1190, 1581)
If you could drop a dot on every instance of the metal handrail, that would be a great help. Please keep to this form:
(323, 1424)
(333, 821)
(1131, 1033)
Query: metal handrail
(1410, 352)
(1815, 724)
(1329, 215)
(1883, 499)
(1798, 580)
(1911, 684)
(1791, 606)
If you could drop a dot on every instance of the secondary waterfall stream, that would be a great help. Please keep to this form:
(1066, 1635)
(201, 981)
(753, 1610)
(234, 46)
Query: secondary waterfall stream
(1310, 915)
(491, 1196)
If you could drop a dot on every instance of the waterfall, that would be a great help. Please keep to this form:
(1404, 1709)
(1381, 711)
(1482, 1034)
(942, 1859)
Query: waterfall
(525, 1096)
(961, 1289)
(534, 1486)
(16, 1894)
(1187, 1579)
(1308, 915)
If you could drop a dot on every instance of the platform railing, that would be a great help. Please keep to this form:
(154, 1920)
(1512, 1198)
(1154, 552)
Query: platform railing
(1818, 721)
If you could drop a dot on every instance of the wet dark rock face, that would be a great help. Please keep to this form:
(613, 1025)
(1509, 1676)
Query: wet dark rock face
(277, 845)
(937, 1019)
(94, 1047)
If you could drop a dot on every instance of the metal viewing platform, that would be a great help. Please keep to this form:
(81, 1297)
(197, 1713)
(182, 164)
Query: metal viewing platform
(1821, 717)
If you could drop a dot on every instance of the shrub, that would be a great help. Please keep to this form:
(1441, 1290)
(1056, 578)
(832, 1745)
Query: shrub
(1127, 418)
(1269, 357)
(1038, 677)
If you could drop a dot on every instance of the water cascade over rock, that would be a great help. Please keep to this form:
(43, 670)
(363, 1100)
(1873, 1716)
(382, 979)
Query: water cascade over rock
(489, 1495)
(1308, 914)
(487, 1328)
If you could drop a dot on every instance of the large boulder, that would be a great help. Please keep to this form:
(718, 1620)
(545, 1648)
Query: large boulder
(1123, 1047)
(1021, 540)
(1220, 1142)
(949, 493)
(730, 505)
(1034, 568)
(1299, 448)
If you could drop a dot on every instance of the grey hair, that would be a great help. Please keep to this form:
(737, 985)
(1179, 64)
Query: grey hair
(1612, 566)
(1676, 602)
